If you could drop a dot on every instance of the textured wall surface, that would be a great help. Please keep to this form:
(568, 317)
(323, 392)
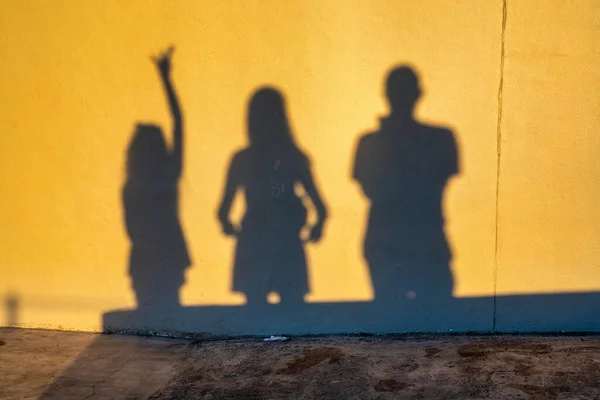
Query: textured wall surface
(515, 84)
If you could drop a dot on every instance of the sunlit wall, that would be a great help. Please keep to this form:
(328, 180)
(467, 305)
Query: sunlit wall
(77, 76)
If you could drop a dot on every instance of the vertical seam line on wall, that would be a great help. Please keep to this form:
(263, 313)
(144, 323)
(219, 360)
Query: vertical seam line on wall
(498, 155)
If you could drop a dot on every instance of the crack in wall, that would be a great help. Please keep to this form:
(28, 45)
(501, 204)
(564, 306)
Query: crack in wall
(498, 155)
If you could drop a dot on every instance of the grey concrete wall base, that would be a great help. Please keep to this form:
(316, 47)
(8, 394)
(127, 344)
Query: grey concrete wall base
(576, 312)
(454, 315)
(527, 313)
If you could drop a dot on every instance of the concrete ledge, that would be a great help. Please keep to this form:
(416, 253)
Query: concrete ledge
(527, 313)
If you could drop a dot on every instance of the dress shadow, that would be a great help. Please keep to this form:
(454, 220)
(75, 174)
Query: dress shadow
(270, 255)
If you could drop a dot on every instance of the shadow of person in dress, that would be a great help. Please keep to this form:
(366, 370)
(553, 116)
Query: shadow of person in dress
(270, 255)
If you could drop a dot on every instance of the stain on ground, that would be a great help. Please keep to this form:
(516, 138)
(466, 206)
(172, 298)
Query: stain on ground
(527, 348)
(472, 350)
(311, 358)
(389, 385)
(2, 342)
(432, 351)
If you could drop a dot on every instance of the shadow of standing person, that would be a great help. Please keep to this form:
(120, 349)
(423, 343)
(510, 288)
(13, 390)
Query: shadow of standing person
(159, 254)
(270, 253)
(403, 169)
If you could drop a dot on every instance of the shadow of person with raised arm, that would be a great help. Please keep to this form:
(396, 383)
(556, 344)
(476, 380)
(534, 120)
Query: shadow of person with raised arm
(403, 169)
(270, 253)
(159, 254)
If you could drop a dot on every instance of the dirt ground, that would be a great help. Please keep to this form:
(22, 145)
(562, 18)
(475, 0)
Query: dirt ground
(391, 368)
(62, 365)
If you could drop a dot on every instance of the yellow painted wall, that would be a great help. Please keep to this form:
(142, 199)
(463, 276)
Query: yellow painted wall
(550, 166)
(76, 77)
